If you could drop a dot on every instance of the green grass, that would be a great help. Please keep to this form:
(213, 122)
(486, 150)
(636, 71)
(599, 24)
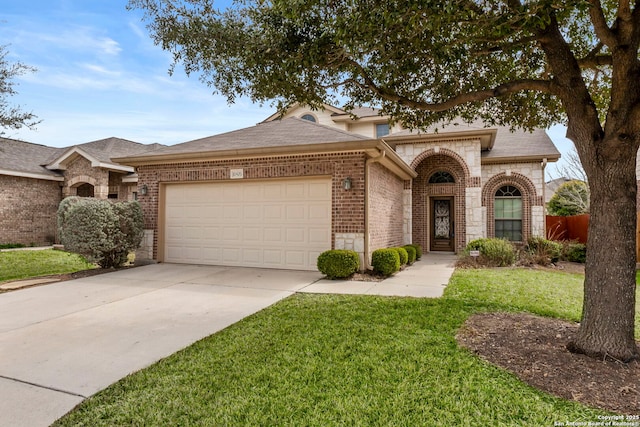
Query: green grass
(33, 263)
(546, 293)
(321, 360)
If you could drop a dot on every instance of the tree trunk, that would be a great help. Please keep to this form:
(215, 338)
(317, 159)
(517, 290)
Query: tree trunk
(607, 326)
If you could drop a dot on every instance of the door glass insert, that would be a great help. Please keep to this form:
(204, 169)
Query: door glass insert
(441, 214)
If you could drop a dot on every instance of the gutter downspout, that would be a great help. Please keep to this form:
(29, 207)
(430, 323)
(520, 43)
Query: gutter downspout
(544, 196)
(368, 162)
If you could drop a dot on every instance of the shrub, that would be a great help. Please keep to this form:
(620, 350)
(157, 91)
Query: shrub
(338, 263)
(493, 252)
(411, 253)
(403, 254)
(574, 252)
(101, 231)
(11, 245)
(418, 249)
(385, 261)
(545, 251)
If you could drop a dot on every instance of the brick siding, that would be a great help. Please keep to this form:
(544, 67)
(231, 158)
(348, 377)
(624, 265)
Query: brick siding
(423, 191)
(347, 205)
(28, 209)
(385, 208)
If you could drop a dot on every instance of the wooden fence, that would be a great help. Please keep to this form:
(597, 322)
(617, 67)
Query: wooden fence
(575, 228)
(568, 227)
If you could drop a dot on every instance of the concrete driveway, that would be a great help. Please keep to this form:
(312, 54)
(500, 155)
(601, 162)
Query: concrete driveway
(63, 342)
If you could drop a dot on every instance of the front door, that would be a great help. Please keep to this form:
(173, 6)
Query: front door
(441, 224)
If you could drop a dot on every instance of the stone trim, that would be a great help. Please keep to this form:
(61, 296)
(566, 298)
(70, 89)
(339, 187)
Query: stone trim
(529, 199)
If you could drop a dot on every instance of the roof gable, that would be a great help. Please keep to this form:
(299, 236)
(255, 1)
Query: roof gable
(100, 153)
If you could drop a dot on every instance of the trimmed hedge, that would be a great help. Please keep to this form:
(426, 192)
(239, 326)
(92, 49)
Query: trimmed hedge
(338, 263)
(418, 249)
(404, 256)
(385, 261)
(411, 252)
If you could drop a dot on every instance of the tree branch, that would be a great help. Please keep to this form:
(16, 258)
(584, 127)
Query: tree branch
(593, 60)
(477, 96)
(602, 30)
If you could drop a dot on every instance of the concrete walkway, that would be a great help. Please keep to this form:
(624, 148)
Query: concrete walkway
(426, 278)
(65, 341)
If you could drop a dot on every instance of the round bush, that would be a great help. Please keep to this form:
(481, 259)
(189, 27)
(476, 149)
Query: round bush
(493, 252)
(418, 249)
(544, 248)
(385, 261)
(575, 252)
(404, 256)
(411, 252)
(338, 263)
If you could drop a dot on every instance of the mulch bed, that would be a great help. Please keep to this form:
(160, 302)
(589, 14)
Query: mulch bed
(534, 349)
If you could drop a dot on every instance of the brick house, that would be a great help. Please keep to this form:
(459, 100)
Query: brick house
(35, 178)
(279, 193)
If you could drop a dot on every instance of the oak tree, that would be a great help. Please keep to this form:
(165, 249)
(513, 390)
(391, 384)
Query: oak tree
(520, 63)
(11, 116)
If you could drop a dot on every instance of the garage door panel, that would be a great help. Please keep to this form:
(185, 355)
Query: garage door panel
(272, 212)
(319, 236)
(296, 259)
(278, 224)
(319, 191)
(272, 235)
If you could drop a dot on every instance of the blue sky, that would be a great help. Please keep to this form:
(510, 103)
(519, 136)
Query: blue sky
(100, 75)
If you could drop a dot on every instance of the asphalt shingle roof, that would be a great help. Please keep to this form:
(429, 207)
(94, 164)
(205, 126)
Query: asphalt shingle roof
(508, 144)
(291, 131)
(25, 157)
(106, 149)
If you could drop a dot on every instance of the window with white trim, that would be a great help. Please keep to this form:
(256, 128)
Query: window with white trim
(508, 213)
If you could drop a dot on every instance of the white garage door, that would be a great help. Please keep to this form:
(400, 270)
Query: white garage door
(273, 224)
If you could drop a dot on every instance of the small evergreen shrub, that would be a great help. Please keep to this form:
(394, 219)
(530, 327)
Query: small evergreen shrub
(411, 253)
(101, 231)
(385, 261)
(418, 249)
(544, 251)
(404, 256)
(493, 252)
(12, 245)
(338, 263)
(574, 252)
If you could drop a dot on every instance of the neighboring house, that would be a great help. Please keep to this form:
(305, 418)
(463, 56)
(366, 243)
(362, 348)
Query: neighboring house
(552, 186)
(279, 193)
(35, 178)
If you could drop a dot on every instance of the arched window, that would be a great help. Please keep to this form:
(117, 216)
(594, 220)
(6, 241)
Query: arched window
(508, 213)
(441, 177)
(309, 117)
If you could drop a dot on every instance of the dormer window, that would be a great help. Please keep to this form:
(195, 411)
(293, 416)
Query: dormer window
(309, 117)
(382, 129)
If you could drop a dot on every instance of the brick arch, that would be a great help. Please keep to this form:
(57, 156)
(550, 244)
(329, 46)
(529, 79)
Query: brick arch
(425, 165)
(521, 182)
(445, 152)
(81, 179)
(529, 198)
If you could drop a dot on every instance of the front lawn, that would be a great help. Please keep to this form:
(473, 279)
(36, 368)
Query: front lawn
(24, 264)
(350, 360)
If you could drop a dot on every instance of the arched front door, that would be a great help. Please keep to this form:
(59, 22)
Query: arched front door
(441, 225)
